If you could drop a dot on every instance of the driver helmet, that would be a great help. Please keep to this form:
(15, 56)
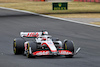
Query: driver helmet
(44, 33)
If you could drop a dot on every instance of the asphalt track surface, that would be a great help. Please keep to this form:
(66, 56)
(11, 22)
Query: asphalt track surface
(86, 37)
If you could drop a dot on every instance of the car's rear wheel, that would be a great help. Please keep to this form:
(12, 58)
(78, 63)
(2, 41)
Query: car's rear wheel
(18, 45)
(31, 47)
(69, 45)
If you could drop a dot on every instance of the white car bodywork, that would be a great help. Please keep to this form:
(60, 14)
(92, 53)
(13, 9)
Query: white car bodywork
(45, 40)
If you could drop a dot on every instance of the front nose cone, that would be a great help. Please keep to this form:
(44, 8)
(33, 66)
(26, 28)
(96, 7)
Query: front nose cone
(54, 53)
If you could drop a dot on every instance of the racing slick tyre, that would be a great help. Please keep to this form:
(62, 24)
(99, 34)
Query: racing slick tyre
(18, 46)
(69, 45)
(31, 47)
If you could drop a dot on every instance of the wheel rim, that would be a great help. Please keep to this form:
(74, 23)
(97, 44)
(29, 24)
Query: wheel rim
(28, 50)
(14, 47)
(65, 46)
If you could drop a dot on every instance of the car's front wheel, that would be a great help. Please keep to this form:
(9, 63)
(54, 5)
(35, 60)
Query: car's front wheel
(69, 45)
(31, 47)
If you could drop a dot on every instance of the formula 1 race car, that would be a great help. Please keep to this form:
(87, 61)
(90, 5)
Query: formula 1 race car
(42, 44)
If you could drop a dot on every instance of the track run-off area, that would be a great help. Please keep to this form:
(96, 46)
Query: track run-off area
(84, 36)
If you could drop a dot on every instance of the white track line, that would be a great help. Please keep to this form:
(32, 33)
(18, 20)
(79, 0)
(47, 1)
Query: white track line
(50, 17)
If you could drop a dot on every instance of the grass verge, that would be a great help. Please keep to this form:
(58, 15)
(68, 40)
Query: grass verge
(75, 9)
(13, 1)
(96, 23)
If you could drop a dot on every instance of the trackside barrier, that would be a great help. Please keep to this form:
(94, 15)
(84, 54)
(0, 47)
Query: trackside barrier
(80, 0)
(88, 1)
(39, 0)
(98, 1)
(42, 0)
(84, 0)
(92, 1)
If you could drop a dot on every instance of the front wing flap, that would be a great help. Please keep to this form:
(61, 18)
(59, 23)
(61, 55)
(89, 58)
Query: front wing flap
(47, 52)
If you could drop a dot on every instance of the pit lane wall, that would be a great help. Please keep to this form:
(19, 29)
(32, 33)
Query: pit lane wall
(98, 1)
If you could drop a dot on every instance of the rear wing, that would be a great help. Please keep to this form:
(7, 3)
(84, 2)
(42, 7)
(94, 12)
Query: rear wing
(33, 34)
